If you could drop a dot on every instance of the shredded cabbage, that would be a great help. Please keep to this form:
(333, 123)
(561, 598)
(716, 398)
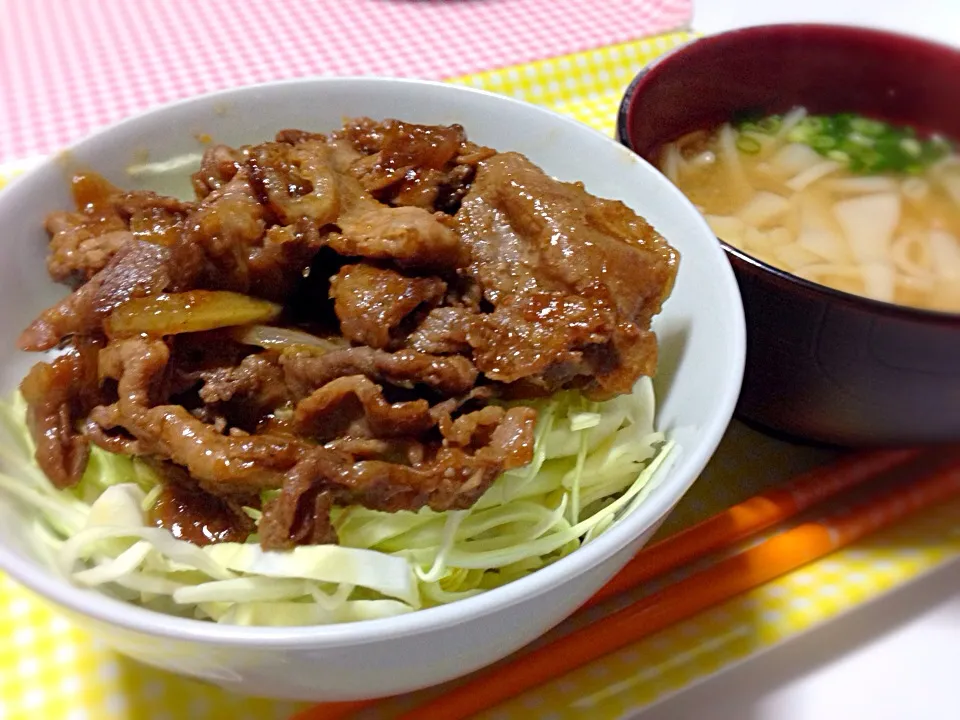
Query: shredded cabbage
(593, 464)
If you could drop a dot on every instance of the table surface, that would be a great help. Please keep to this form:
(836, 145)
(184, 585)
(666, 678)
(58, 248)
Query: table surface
(891, 659)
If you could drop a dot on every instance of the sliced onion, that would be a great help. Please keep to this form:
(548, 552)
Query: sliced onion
(727, 142)
(791, 120)
(275, 338)
(794, 158)
(945, 296)
(186, 312)
(815, 273)
(812, 174)
(703, 159)
(858, 185)
(879, 281)
(915, 188)
(764, 208)
(793, 257)
(951, 183)
(923, 285)
(825, 243)
(869, 222)
(903, 251)
(727, 227)
(945, 249)
(762, 240)
(671, 163)
(847, 278)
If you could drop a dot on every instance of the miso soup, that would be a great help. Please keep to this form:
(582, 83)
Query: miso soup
(845, 201)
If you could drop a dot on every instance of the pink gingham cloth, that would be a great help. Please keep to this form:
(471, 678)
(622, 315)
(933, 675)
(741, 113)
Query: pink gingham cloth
(68, 66)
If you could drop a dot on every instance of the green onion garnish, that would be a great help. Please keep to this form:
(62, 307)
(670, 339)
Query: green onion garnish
(769, 124)
(747, 144)
(864, 144)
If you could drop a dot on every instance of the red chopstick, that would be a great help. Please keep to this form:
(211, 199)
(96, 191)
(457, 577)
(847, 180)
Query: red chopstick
(730, 577)
(718, 532)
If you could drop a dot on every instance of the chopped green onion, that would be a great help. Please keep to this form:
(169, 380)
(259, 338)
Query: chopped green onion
(872, 158)
(911, 146)
(769, 124)
(863, 144)
(867, 126)
(747, 144)
(860, 139)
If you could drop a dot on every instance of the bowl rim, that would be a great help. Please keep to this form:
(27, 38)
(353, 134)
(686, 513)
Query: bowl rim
(682, 472)
(648, 75)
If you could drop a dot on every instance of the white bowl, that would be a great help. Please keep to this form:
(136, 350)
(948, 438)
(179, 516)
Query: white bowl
(701, 331)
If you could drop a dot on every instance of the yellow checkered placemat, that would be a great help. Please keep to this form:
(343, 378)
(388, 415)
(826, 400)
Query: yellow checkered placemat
(50, 669)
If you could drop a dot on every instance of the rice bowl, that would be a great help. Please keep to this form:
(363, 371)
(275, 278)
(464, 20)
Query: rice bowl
(701, 336)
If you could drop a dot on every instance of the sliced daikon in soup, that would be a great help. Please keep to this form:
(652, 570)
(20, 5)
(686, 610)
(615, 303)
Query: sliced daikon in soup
(853, 203)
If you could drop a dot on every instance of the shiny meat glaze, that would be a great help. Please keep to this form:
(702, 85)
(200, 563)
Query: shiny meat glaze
(433, 275)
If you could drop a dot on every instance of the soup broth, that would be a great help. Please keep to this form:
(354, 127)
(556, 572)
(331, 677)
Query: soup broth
(847, 202)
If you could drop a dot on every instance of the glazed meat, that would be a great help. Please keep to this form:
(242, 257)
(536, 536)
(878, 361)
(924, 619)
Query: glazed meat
(227, 225)
(58, 394)
(444, 331)
(335, 320)
(197, 516)
(408, 236)
(408, 164)
(218, 166)
(82, 243)
(372, 303)
(81, 247)
(137, 269)
(542, 338)
(307, 369)
(354, 406)
(576, 278)
(295, 181)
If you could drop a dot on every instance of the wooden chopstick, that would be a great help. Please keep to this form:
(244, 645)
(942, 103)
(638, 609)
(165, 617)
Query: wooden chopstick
(727, 528)
(728, 578)
(718, 532)
(334, 710)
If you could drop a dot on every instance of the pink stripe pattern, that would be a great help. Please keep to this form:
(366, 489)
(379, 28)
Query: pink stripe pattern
(69, 66)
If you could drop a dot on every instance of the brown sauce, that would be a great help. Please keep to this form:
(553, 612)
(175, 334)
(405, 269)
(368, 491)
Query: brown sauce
(198, 517)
